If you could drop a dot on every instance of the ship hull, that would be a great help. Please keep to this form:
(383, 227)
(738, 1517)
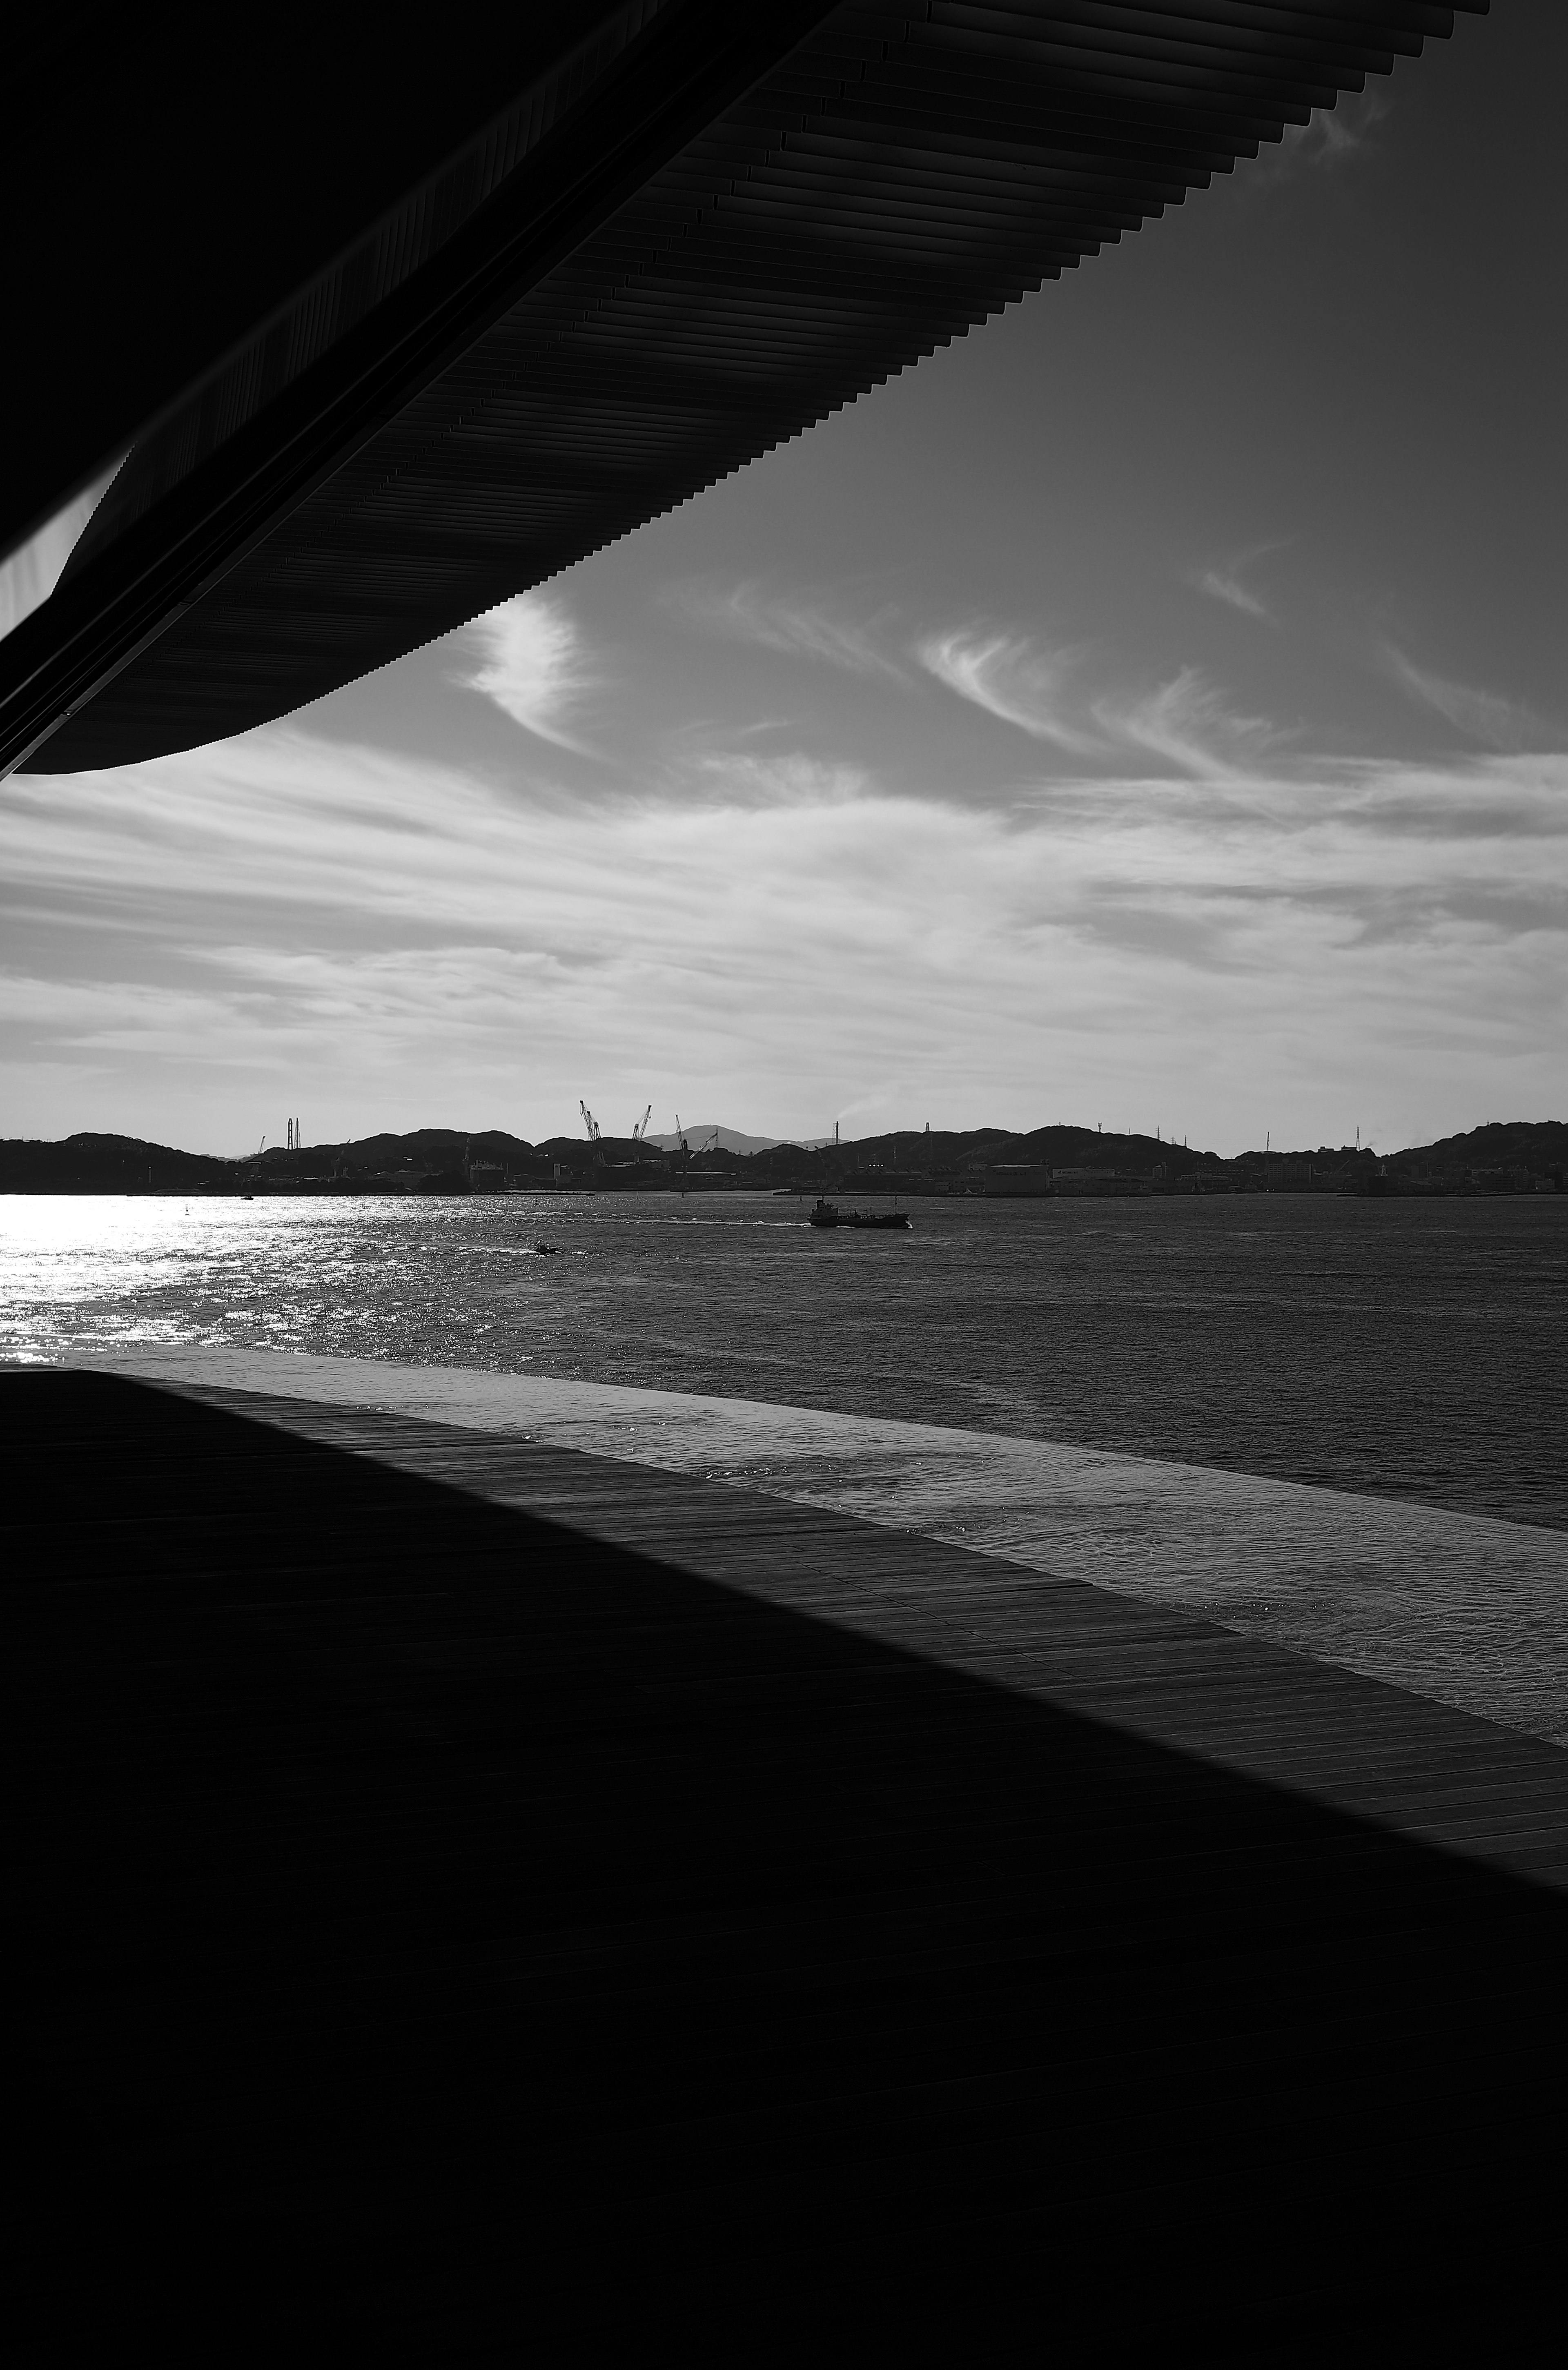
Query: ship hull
(872, 1221)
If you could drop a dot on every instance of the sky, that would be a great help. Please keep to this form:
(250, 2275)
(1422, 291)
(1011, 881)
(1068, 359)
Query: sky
(1150, 711)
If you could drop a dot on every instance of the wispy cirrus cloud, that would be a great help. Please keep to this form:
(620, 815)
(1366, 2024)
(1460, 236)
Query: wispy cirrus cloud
(1221, 585)
(1049, 692)
(1228, 580)
(410, 942)
(1189, 724)
(1489, 716)
(789, 778)
(532, 667)
(1175, 894)
(1184, 723)
(1016, 681)
(795, 627)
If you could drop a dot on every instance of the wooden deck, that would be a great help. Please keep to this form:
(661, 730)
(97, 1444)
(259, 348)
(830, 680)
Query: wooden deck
(464, 1880)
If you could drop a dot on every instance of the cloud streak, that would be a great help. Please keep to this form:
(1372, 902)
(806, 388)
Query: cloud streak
(531, 666)
(1184, 723)
(796, 628)
(1188, 724)
(1228, 580)
(1228, 587)
(412, 943)
(1018, 684)
(1485, 716)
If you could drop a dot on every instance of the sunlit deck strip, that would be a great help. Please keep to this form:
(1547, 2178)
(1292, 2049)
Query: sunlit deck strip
(1464, 1608)
(462, 1866)
(1376, 1752)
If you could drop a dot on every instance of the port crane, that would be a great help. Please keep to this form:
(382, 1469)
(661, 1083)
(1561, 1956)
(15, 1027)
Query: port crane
(639, 1132)
(590, 1122)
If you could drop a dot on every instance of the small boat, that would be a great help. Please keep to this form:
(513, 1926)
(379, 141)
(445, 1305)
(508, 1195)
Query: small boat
(827, 1214)
(547, 1250)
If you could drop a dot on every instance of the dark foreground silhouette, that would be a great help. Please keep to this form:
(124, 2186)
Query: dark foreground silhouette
(435, 1925)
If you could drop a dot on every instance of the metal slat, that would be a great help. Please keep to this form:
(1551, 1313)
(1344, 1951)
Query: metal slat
(902, 175)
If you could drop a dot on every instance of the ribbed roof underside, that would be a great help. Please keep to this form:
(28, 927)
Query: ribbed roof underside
(909, 171)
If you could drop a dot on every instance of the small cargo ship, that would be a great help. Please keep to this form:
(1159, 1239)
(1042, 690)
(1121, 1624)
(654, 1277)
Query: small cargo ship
(827, 1214)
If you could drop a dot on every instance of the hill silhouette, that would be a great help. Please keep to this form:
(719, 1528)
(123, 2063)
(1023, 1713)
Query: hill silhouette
(1501, 1153)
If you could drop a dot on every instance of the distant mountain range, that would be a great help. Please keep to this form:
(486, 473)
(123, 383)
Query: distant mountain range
(1502, 1153)
(1534, 1143)
(727, 1139)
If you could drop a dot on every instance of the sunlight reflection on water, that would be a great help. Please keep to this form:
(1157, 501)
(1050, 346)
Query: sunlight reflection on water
(1304, 1419)
(1407, 1349)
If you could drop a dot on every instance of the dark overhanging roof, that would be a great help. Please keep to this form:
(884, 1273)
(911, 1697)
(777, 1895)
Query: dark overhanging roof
(693, 232)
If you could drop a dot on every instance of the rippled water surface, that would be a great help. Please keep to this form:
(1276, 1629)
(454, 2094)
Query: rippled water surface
(1413, 1349)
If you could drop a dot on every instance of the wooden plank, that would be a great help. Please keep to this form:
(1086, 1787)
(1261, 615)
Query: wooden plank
(436, 1911)
(1376, 1750)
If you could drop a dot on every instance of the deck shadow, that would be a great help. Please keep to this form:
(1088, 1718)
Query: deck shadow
(432, 1910)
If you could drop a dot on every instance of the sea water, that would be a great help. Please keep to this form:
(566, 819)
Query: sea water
(1415, 1350)
(1336, 1425)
